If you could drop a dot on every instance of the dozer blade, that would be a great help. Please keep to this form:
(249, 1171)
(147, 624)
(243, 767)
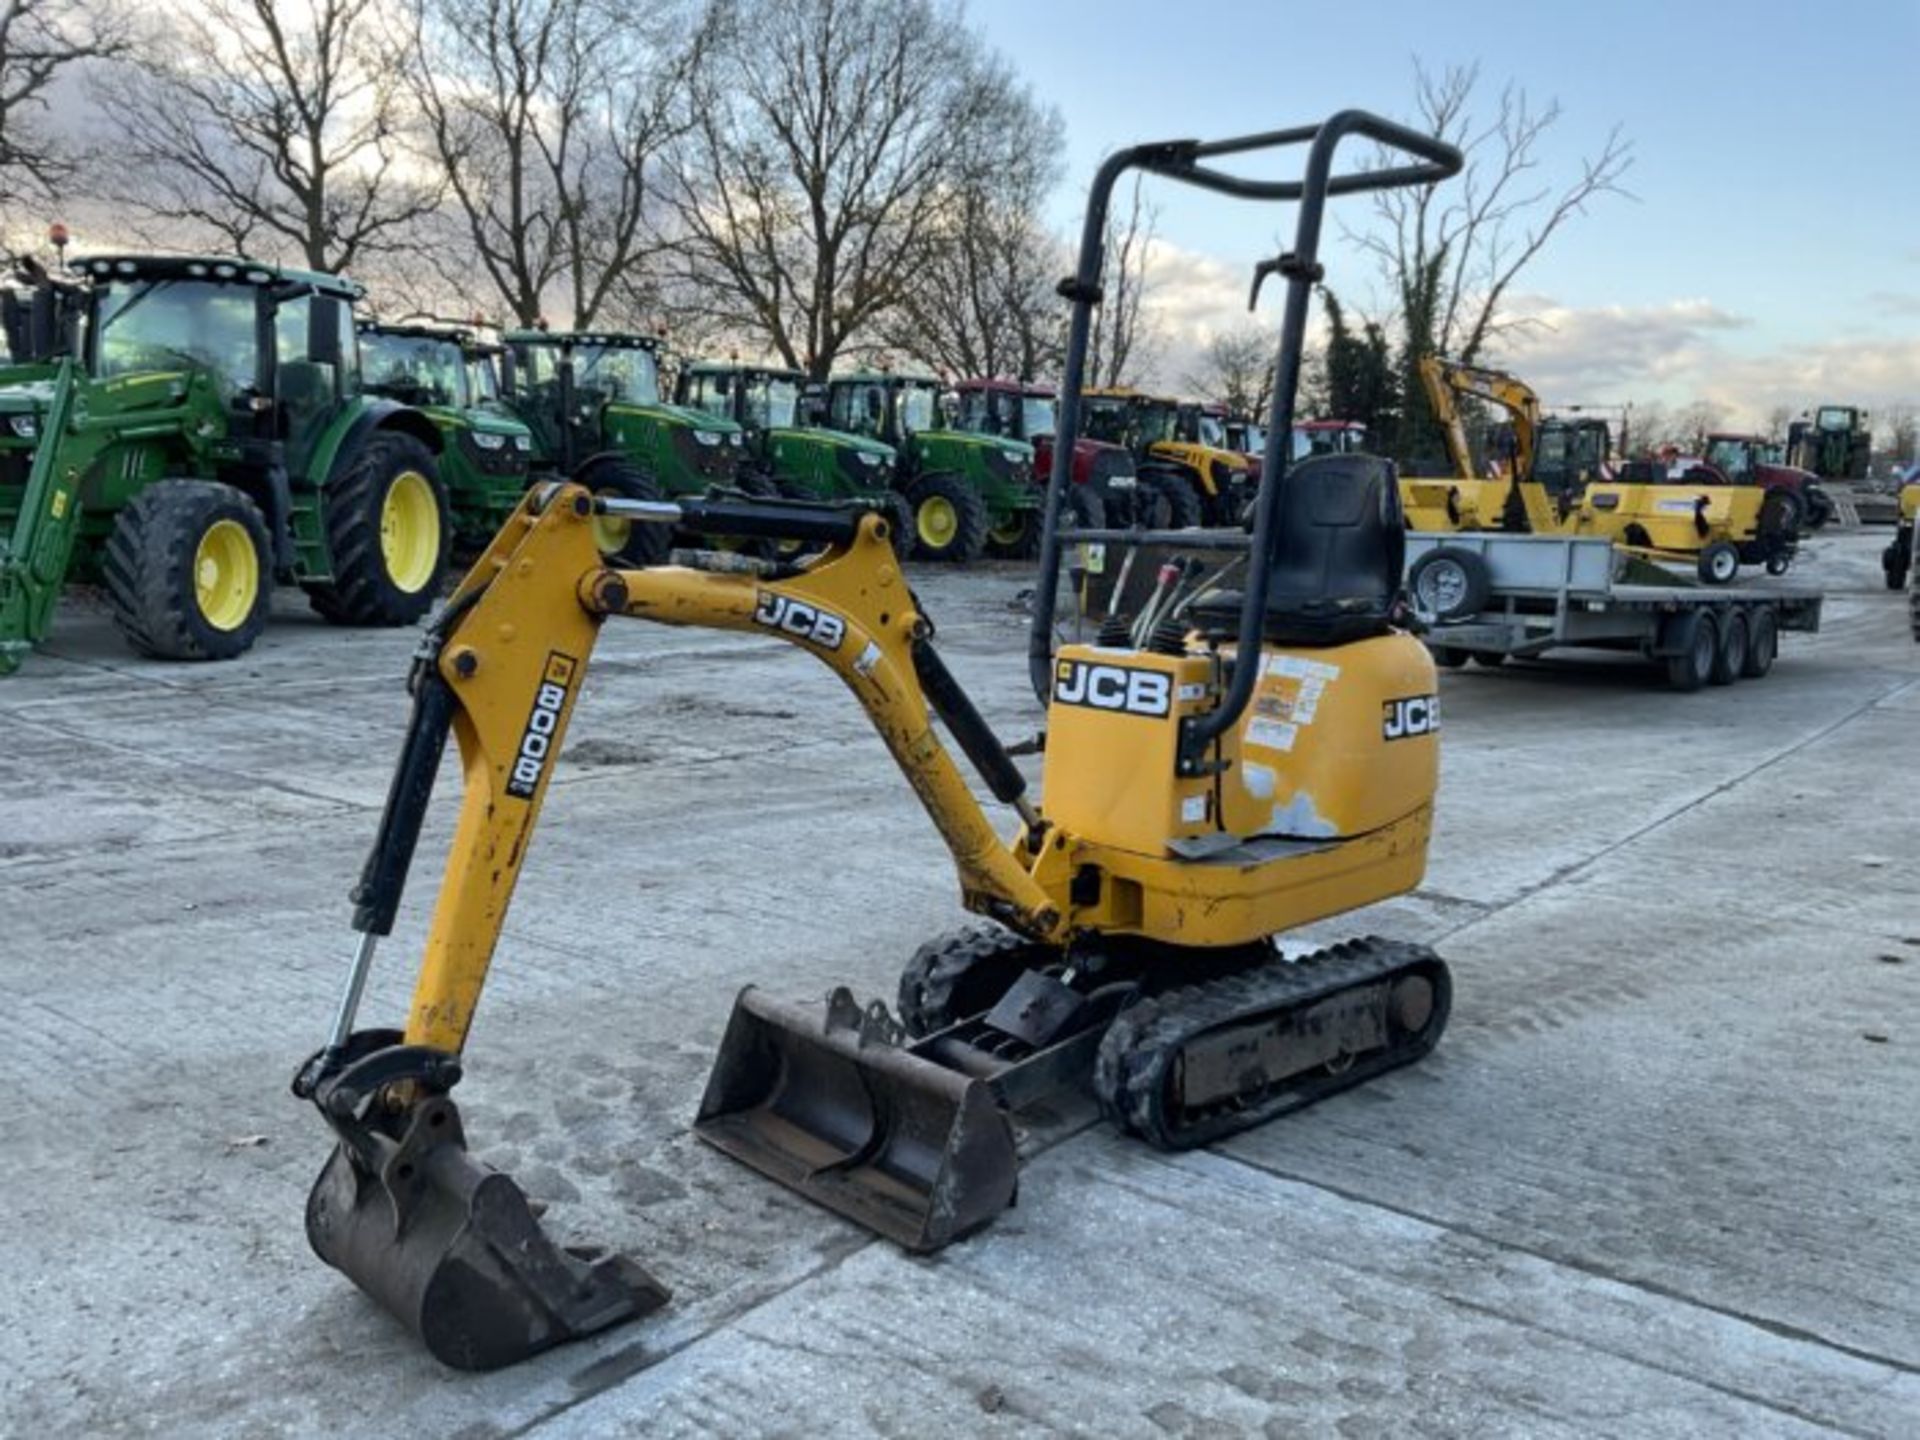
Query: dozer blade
(452, 1249)
(830, 1104)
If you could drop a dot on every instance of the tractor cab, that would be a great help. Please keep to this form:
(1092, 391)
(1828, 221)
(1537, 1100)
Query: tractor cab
(275, 346)
(448, 372)
(1103, 472)
(1834, 444)
(1249, 437)
(788, 450)
(1198, 424)
(970, 491)
(1182, 447)
(1571, 454)
(594, 395)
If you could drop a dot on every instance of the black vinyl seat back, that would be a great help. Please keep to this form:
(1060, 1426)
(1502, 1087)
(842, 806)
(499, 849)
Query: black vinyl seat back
(1338, 551)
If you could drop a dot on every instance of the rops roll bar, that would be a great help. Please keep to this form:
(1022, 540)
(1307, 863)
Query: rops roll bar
(1182, 160)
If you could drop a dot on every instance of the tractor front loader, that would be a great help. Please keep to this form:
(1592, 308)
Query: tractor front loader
(194, 431)
(1266, 757)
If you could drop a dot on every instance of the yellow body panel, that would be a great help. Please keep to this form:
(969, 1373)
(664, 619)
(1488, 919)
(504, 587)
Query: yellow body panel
(1909, 500)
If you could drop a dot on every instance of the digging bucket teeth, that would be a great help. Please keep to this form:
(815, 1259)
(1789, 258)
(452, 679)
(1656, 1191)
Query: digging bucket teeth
(831, 1104)
(451, 1247)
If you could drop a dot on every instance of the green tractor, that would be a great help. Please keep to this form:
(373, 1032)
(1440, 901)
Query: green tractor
(786, 454)
(970, 493)
(184, 431)
(446, 371)
(593, 404)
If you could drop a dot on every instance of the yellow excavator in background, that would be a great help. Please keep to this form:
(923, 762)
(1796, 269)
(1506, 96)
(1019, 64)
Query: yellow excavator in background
(1266, 757)
(1713, 526)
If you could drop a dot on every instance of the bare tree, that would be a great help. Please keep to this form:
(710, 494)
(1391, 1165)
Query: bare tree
(1900, 424)
(1122, 337)
(1692, 423)
(821, 166)
(39, 40)
(548, 118)
(1236, 370)
(984, 301)
(1451, 253)
(273, 123)
(1778, 419)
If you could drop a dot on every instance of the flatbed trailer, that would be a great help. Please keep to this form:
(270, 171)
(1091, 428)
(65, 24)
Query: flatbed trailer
(1494, 597)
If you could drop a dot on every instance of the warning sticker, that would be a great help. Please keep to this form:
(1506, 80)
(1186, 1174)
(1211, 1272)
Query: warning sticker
(1272, 734)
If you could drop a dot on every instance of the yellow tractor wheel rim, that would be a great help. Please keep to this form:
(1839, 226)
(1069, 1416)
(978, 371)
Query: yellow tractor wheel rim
(937, 521)
(410, 531)
(610, 532)
(226, 575)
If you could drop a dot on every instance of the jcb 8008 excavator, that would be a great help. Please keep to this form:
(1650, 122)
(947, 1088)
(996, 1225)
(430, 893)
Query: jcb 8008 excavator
(1268, 760)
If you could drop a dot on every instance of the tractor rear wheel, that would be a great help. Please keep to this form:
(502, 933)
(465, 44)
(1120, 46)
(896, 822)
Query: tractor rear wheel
(1015, 535)
(1164, 501)
(949, 519)
(389, 532)
(631, 543)
(189, 571)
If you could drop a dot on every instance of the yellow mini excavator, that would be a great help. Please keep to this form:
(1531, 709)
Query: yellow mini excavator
(1262, 758)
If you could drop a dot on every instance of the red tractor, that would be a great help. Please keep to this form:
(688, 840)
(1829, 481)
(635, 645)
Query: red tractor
(1745, 460)
(1103, 474)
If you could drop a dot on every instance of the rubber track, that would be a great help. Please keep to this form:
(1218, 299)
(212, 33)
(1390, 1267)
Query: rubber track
(1130, 1071)
(938, 968)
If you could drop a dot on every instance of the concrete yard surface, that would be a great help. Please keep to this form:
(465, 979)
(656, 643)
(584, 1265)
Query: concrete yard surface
(1658, 1180)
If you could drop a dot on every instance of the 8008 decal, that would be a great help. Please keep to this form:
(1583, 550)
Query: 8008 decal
(543, 723)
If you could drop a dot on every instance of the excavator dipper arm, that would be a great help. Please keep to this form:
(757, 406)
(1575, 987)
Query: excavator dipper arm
(448, 1245)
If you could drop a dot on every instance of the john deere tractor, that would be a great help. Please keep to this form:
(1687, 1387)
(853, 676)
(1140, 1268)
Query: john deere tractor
(968, 491)
(184, 432)
(786, 455)
(593, 404)
(1195, 478)
(447, 372)
(1835, 444)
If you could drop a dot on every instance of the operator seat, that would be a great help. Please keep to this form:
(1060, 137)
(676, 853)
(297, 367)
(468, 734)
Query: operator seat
(1338, 550)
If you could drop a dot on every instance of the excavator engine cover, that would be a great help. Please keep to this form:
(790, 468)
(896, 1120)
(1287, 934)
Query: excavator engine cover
(831, 1104)
(451, 1247)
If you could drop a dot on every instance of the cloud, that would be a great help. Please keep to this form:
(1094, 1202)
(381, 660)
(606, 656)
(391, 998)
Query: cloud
(1894, 302)
(1191, 298)
(1678, 351)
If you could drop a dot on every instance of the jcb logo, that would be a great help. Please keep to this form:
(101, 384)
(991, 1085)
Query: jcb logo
(796, 617)
(536, 741)
(1414, 715)
(1113, 687)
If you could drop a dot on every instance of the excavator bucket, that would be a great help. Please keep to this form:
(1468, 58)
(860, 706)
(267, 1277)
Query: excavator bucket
(832, 1104)
(451, 1247)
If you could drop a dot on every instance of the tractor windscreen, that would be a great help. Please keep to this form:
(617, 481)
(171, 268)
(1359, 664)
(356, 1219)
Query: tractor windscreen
(148, 325)
(1038, 416)
(1734, 458)
(419, 369)
(1156, 422)
(771, 402)
(483, 381)
(916, 409)
(1835, 420)
(1212, 431)
(623, 373)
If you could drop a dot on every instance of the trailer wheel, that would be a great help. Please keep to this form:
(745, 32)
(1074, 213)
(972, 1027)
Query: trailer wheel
(1450, 582)
(1488, 659)
(1730, 657)
(1695, 642)
(1446, 657)
(189, 570)
(1763, 643)
(1719, 563)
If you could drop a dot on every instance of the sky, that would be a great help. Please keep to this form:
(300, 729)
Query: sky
(1770, 254)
